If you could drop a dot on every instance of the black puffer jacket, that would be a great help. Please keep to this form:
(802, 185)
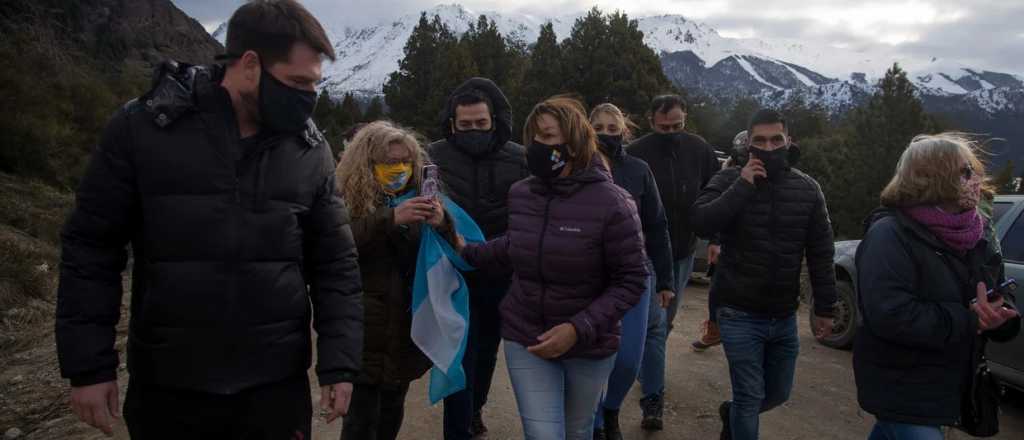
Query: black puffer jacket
(917, 342)
(635, 177)
(765, 232)
(228, 255)
(480, 183)
(682, 166)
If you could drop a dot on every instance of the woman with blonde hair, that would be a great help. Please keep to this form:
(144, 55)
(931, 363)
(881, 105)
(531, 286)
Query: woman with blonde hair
(575, 248)
(381, 166)
(614, 131)
(924, 271)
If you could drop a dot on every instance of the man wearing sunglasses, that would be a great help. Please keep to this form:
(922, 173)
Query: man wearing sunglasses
(768, 216)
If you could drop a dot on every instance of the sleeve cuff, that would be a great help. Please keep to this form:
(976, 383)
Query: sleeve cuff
(335, 377)
(584, 329)
(93, 378)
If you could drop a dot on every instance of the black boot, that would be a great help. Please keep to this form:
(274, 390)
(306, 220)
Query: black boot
(652, 408)
(611, 425)
(723, 413)
(478, 429)
(598, 433)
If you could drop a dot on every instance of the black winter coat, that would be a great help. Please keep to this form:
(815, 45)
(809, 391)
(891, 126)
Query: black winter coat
(635, 177)
(228, 255)
(765, 232)
(681, 169)
(917, 341)
(480, 183)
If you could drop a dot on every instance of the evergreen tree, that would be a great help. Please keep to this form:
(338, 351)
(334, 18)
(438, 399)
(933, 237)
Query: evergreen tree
(544, 77)
(375, 111)
(350, 113)
(1004, 181)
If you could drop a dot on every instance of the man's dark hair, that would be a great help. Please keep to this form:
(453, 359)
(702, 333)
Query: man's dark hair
(665, 103)
(471, 97)
(272, 27)
(766, 116)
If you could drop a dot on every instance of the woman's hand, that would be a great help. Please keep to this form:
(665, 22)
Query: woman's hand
(555, 342)
(991, 315)
(414, 210)
(436, 218)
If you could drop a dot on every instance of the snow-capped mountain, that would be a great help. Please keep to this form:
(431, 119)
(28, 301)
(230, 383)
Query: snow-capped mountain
(695, 56)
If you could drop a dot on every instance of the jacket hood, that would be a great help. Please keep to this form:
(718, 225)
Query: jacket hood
(502, 111)
(179, 88)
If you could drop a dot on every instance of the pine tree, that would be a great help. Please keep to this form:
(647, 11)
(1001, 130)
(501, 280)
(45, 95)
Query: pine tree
(1003, 181)
(544, 77)
(350, 113)
(375, 111)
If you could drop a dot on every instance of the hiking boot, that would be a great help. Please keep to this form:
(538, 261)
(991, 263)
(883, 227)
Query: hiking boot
(709, 337)
(611, 425)
(599, 434)
(723, 413)
(652, 408)
(478, 429)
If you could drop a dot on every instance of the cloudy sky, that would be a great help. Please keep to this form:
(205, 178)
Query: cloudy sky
(983, 33)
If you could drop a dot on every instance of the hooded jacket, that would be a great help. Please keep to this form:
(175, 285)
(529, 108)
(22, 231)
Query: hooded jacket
(917, 342)
(635, 177)
(766, 230)
(229, 254)
(576, 250)
(480, 183)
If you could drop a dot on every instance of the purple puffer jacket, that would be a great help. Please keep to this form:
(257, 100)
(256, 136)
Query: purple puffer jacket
(577, 253)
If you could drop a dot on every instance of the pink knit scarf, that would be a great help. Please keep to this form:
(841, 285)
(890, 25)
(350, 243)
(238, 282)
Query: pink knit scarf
(960, 232)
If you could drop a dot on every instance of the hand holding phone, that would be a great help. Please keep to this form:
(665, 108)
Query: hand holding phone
(995, 293)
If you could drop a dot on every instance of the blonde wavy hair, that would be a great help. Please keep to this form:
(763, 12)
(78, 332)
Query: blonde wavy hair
(355, 180)
(929, 171)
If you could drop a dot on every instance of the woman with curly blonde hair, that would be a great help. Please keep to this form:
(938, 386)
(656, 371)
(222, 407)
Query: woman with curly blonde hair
(382, 165)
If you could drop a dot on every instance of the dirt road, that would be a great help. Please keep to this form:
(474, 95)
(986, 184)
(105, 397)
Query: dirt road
(823, 404)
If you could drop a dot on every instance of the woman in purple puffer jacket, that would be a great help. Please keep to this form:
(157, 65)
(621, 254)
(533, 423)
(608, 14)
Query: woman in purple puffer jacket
(576, 249)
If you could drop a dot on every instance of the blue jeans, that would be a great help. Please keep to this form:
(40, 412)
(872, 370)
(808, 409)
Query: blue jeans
(762, 360)
(902, 431)
(556, 398)
(478, 363)
(631, 351)
(659, 324)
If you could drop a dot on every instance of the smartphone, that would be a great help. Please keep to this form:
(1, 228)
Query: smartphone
(1001, 290)
(431, 187)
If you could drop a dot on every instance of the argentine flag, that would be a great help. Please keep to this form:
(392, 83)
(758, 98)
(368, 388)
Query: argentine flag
(440, 303)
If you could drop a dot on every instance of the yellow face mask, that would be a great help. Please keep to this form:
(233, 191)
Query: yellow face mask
(393, 177)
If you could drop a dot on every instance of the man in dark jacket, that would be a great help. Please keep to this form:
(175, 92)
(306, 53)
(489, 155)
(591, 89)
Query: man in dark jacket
(478, 166)
(682, 164)
(225, 191)
(768, 216)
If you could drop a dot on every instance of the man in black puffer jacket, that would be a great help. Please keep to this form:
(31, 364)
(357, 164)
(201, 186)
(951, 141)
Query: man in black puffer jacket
(225, 190)
(768, 216)
(478, 165)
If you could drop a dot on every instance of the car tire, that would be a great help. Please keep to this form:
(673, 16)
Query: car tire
(846, 312)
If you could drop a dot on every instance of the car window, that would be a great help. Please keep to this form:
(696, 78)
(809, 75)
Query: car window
(1013, 242)
(999, 209)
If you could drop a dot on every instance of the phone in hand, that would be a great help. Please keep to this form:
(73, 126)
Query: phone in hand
(431, 187)
(999, 291)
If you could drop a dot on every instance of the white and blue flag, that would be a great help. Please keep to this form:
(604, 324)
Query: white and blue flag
(440, 302)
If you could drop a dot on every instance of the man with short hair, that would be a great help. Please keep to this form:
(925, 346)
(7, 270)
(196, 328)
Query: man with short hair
(478, 163)
(682, 164)
(768, 216)
(224, 189)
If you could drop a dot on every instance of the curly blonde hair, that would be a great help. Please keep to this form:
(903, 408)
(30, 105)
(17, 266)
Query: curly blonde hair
(929, 170)
(355, 180)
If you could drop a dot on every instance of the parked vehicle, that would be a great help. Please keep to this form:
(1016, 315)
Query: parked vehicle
(1006, 359)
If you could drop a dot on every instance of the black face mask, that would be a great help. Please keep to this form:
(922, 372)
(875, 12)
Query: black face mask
(474, 142)
(669, 138)
(611, 145)
(775, 161)
(546, 161)
(284, 109)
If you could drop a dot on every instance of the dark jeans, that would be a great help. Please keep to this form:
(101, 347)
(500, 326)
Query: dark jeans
(902, 431)
(277, 411)
(376, 412)
(478, 363)
(762, 361)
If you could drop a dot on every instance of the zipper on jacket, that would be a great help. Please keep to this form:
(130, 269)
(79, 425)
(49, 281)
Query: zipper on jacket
(540, 263)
